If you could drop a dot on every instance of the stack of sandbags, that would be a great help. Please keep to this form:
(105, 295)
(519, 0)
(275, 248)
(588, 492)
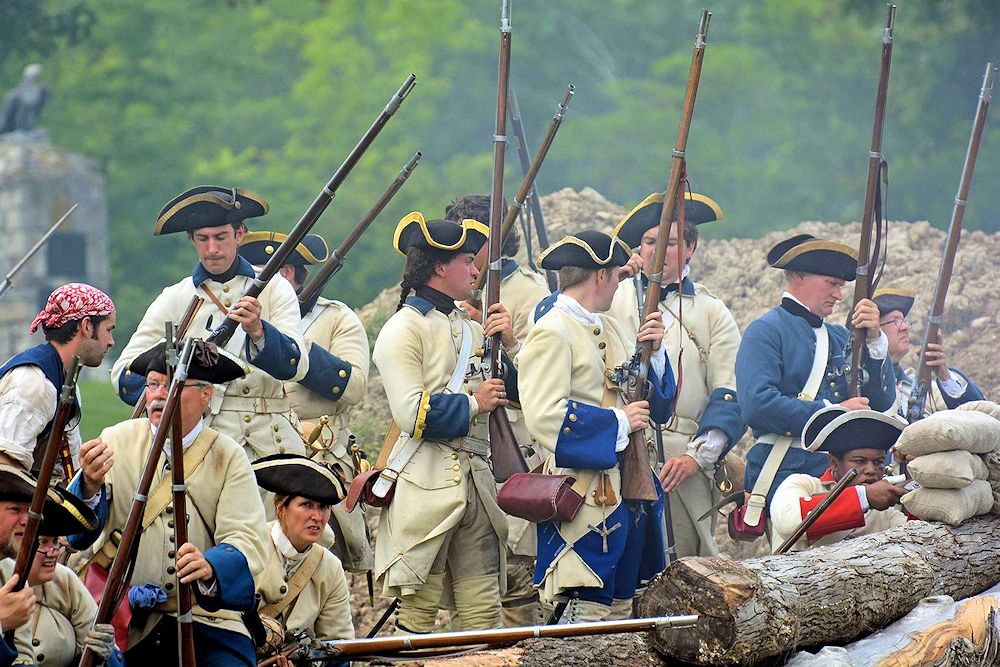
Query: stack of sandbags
(949, 449)
(992, 459)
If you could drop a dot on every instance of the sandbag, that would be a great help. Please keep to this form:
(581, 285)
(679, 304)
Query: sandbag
(948, 430)
(947, 470)
(992, 461)
(987, 407)
(950, 506)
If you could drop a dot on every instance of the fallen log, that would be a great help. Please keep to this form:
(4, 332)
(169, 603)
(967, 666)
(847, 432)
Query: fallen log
(766, 607)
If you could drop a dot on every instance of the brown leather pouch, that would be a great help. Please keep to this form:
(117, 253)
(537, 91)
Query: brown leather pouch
(361, 491)
(538, 498)
(740, 531)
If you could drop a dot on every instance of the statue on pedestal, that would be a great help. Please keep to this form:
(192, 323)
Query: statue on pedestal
(23, 105)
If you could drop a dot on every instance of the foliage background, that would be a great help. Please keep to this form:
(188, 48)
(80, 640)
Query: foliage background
(271, 95)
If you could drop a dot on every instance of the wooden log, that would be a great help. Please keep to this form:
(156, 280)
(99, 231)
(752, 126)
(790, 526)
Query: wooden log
(765, 607)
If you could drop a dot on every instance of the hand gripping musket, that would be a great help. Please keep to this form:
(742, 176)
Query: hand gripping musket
(817, 511)
(918, 398)
(637, 482)
(528, 183)
(534, 210)
(6, 283)
(505, 454)
(182, 329)
(120, 570)
(868, 261)
(225, 331)
(29, 541)
(311, 291)
(430, 645)
(185, 619)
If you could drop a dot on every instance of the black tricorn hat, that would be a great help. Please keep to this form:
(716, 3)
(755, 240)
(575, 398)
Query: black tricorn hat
(413, 231)
(589, 249)
(208, 363)
(295, 475)
(63, 513)
(837, 431)
(889, 299)
(257, 248)
(698, 209)
(208, 206)
(809, 254)
(16, 485)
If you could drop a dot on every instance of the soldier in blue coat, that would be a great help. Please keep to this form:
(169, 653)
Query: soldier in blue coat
(778, 358)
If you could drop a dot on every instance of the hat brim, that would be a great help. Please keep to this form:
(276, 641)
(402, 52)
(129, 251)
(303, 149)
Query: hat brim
(889, 300)
(209, 363)
(16, 485)
(294, 475)
(208, 206)
(698, 209)
(816, 256)
(579, 250)
(65, 514)
(858, 429)
(258, 247)
(414, 231)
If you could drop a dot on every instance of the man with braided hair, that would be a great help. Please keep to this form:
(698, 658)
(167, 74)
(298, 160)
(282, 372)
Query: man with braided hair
(439, 540)
(78, 320)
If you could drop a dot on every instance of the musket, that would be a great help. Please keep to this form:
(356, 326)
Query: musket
(311, 290)
(6, 283)
(29, 540)
(817, 511)
(534, 210)
(865, 283)
(637, 482)
(505, 454)
(120, 570)
(418, 646)
(528, 182)
(225, 331)
(185, 619)
(915, 409)
(192, 309)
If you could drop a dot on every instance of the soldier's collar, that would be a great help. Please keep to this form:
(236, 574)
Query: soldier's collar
(687, 287)
(240, 267)
(427, 299)
(507, 267)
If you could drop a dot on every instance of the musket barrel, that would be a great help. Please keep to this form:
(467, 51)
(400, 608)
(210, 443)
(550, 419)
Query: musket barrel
(6, 283)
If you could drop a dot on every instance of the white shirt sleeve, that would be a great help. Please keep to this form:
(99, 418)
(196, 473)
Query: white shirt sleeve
(705, 449)
(863, 497)
(954, 387)
(658, 361)
(621, 441)
(27, 404)
(878, 348)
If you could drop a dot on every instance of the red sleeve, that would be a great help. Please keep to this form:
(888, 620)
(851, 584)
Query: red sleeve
(844, 514)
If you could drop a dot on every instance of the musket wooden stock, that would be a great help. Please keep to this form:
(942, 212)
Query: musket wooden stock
(29, 540)
(817, 511)
(863, 282)
(336, 261)
(120, 569)
(225, 331)
(533, 200)
(915, 409)
(189, 314)
(528, 182)
(637, 480)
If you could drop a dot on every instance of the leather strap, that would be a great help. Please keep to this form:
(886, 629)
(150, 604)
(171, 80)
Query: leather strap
(297, 583)
(215, 299)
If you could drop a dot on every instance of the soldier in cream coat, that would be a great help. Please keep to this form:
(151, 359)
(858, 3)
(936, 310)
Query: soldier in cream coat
(858, 439)
(225, 552)
(339, 359)
(598, 559)
(520, 291)
(706, 421)
(303, 585)
(253, 410)
(439, 540)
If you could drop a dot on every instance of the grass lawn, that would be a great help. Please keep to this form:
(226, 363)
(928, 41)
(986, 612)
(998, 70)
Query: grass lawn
(101, 408)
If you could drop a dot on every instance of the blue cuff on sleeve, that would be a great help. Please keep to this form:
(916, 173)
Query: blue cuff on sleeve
(236, 587)
(587, 438)
(663, 390)
(723, 413)
(448, 417)
(328, 374)
(280, 354)
(130, 386)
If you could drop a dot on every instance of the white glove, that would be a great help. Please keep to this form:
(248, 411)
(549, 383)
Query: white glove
(101, 640)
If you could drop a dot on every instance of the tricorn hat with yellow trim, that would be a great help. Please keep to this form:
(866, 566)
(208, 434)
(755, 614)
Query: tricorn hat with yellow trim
(836, 430)
(209, 363)
(208, 206)
(296, 475)
(809, 254)
(698, 209)
(889, 299)
(257, 248)
(589, 249)
(415, 232)
(63, 513)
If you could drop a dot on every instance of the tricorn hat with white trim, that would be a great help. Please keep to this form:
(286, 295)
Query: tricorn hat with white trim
(295, 475)
(837, 430)
(806, 253)
(589, 249)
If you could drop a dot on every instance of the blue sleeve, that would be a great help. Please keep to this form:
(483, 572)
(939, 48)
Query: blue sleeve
(280, 355)
(7, 654)
(448, 417)
(663, 390)
(510, 378)
(759, 367)
(587, 438)
(130, 386)
(328, 374)
(880, 389)
(236, 587)
(117, 658)
(544, 306)
(972, 392)
(81, 541)
(723, 413)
